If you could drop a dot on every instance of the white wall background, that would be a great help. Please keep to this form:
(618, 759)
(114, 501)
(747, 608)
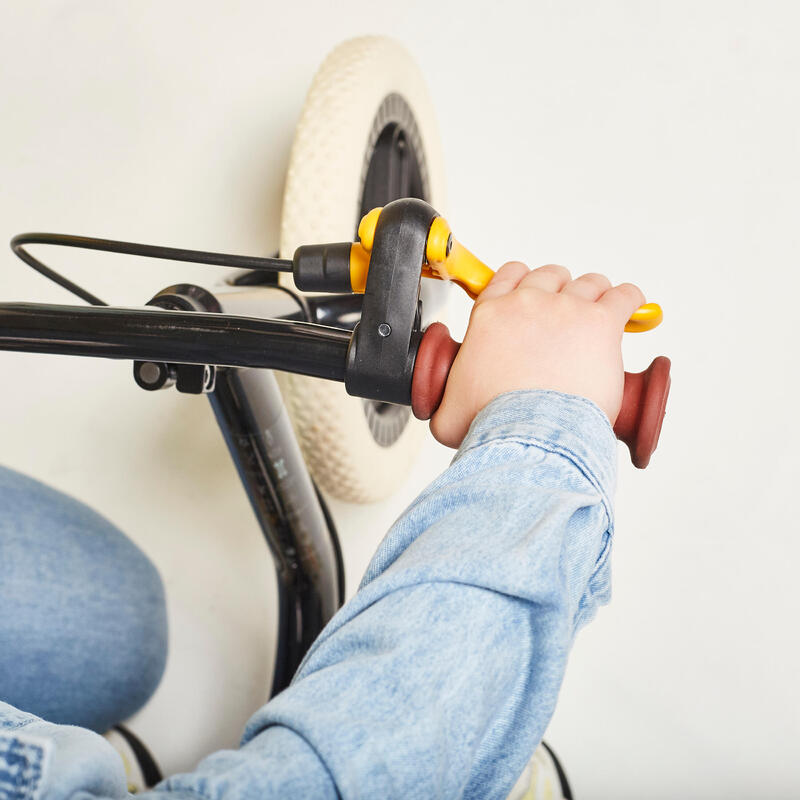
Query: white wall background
(655, 142)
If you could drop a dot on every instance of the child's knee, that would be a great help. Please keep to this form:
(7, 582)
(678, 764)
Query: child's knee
(83, 626)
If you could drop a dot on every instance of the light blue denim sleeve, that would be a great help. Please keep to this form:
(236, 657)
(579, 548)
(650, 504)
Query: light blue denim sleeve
(439, 677)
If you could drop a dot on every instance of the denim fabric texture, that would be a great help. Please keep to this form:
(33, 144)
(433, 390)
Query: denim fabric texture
(83, 627)
(24, 761)
(438, 679)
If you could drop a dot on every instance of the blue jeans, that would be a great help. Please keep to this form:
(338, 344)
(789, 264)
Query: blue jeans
(83, 625)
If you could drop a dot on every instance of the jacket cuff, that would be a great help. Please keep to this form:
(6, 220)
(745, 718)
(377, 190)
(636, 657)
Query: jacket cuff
(571, 426)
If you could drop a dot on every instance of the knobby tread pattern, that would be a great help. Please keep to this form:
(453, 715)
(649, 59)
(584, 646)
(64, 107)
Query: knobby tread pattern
(321, 204)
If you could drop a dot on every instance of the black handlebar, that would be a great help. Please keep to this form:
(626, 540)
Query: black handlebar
(175, 337)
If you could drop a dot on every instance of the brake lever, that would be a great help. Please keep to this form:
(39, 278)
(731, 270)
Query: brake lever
(645, 393)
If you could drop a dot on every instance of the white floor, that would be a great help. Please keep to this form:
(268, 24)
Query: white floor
(654, 142)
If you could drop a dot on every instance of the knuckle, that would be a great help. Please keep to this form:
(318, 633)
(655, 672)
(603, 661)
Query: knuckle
(596, 278)
(509, 271)
(556, 269)
(598, 315)
(530, 297)
(513, 265)
(483, 312)
(521, 304)
(631, 290)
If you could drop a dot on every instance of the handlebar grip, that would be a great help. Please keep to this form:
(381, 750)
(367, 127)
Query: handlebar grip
(639, 422)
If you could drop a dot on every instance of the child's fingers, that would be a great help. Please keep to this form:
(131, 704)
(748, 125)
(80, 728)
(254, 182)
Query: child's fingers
(623, 300)
(590, 286)
(549, 278)
(505, 280)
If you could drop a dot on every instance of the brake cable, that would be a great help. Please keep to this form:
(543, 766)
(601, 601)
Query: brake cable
(19, 243)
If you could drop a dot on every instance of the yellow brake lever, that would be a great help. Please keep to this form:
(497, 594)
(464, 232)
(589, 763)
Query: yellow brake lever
(448, 259)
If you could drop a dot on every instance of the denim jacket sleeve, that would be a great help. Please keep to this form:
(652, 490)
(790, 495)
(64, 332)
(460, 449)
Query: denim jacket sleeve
(439, 677)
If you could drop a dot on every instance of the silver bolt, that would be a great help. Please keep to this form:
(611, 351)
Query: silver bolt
(149, 372)
(384, 329)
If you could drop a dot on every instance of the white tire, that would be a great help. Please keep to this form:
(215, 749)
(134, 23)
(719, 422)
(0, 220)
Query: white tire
(364, 85)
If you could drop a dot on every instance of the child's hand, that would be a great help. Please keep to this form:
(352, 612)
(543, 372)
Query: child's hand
(538, 329)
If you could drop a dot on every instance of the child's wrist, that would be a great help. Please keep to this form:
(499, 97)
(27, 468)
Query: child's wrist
(572, 426)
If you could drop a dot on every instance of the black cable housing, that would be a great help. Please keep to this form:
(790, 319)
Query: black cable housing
(20, 241)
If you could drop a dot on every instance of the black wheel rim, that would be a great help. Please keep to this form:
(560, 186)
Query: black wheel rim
(394, 167)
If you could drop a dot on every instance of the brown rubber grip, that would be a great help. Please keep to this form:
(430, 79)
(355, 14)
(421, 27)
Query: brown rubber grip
(436, 354)
(644, 398)
(644, 403)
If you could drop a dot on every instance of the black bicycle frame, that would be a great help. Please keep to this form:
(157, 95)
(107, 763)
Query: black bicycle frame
(195, 343)
(248, 407)
(207, 343)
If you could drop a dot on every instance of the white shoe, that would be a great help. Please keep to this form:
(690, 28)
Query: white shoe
(141, 770)
(542, 779)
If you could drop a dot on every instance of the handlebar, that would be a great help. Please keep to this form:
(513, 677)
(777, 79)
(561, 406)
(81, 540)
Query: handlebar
(175, 337)
(386, 358)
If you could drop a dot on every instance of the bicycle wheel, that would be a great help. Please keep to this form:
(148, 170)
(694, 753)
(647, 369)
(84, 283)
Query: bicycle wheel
(367, 135)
